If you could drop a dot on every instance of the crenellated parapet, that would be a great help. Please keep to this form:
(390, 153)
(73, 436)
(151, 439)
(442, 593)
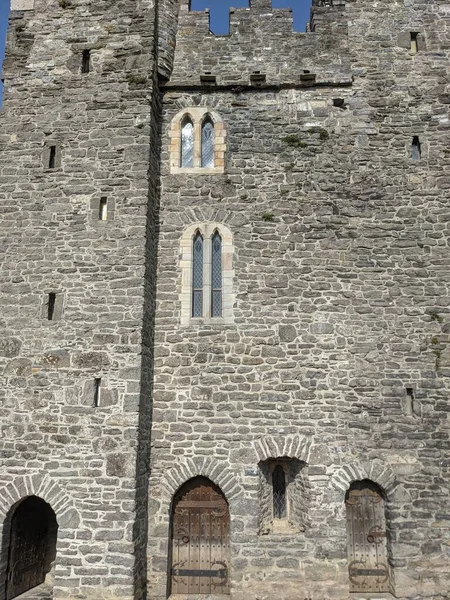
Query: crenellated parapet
(261, 48)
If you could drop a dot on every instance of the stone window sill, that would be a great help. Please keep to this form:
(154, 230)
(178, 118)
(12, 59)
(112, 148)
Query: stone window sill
(371, 596)
(196, 171)
(214, 322)
(199, 597)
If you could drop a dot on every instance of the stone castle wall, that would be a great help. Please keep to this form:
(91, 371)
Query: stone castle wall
(340, 253)
(335, 355)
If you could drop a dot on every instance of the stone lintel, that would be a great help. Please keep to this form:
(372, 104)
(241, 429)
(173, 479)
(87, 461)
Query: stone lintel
(22, 4)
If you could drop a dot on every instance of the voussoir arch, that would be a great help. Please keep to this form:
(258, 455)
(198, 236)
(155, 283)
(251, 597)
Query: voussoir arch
(295, 446)
(208, 467)
(197, 114)
(44, 487)
(376, 471)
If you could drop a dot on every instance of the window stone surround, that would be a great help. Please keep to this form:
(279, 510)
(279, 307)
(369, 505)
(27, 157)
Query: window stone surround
(207, 230)
(197, 115)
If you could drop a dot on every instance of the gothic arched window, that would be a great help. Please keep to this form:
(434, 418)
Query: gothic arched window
(197, 276)
(206, 261)
(216, 276)
(279, 493)
(207, 143)
(187, 143)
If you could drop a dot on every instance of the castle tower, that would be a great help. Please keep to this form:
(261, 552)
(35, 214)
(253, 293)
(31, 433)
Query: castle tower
(224, 295)
(76, 289)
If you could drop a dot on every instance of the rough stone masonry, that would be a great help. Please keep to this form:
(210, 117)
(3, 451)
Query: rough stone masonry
(334, 357)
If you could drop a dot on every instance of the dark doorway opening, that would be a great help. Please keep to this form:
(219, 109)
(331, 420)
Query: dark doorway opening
(28, 545)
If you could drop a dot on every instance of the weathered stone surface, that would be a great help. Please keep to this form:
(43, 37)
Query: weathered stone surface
(55, 358)
(22, 4)
(10, 347)
(19, 367)
(336, 356)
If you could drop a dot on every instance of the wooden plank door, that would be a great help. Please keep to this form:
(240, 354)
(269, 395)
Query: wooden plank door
(200, 539)
(367, 543)
(28, 548)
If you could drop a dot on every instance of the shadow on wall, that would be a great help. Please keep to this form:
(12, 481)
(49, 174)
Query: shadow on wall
(4, 13)
(219, 11)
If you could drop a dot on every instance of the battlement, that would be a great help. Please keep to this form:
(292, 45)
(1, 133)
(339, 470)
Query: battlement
(262, 40)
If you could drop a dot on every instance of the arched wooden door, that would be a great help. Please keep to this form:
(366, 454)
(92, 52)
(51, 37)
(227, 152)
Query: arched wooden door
(367, 543)
(200, 539)
(32, 546)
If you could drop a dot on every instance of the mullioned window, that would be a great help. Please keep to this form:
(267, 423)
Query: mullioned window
(206, 273)
(197, 142)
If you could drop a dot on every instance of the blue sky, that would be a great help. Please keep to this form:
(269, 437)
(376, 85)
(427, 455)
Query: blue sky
(219, 15)
(4, 11)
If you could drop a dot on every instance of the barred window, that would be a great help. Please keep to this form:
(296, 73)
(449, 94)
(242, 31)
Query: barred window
(279, 493)
(187, 143)
(207, 143)
(216, 276)
(197, 276)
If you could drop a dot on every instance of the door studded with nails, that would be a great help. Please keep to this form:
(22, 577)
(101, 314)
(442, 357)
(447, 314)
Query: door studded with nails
(200, 539)
(366, 534)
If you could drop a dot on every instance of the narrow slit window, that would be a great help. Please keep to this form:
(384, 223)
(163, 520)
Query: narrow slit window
(414, 42)
(97, 391)
(409, 404)
(216, 276)
(86, 61)
(279, 493)
(52, 157)
(208, 144)
(416, 150)
(103, 209)
(51, 306)
(187, 144)
(197, 276)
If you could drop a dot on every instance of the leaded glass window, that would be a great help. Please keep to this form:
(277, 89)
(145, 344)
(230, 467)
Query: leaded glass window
(207, 144)
(279, 493)
(187, 144)
(197, 276)
(216, 276)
